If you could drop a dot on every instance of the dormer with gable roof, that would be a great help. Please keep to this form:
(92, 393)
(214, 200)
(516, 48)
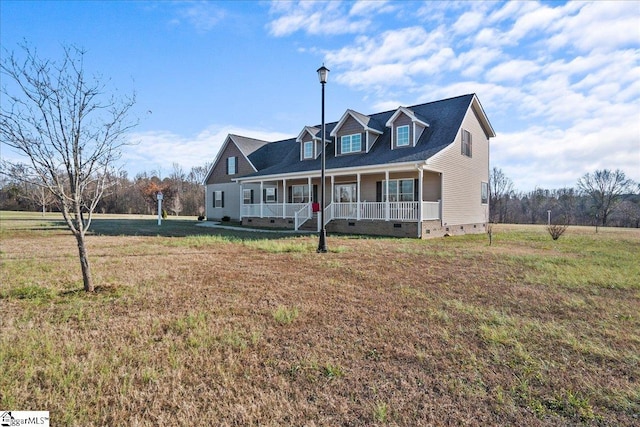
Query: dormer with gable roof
(355, 133)
(406, 128)
(309, 140)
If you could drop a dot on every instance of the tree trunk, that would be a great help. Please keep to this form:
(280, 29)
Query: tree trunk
(84, 264)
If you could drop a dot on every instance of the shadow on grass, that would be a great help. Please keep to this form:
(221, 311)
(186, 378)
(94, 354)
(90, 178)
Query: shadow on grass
(172, 228)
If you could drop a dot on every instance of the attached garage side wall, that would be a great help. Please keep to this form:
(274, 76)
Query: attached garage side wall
(463, 176)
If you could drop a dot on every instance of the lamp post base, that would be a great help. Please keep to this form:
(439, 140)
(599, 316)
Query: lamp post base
(322, 243)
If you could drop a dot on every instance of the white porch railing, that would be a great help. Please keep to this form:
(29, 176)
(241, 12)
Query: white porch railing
(430, 210)
(302, 215)
(393, 211)
(398, 211)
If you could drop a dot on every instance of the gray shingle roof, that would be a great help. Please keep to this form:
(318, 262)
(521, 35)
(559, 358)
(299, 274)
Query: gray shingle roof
(444, 117)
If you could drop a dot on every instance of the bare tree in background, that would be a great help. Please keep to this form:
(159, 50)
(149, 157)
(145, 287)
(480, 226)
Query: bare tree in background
(69, 129)
(500, 190)
(606, 189)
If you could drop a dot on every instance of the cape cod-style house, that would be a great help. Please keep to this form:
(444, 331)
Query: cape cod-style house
(416, 171)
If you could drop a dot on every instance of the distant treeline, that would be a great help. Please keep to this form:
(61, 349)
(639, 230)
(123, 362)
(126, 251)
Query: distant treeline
(601, 198)
(183, 193)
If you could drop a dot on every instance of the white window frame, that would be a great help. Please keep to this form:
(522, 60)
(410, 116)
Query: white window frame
(302, 195)
(270, 195)
(218, 199)
(396, 193)
(408, 140)
(347, 141)
(307, 150)
(246, 200)
(351, 189)
(484, 193)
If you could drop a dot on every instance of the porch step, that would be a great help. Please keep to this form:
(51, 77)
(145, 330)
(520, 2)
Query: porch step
(311, 224)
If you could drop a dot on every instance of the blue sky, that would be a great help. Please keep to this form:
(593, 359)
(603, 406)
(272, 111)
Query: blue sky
(559, 81)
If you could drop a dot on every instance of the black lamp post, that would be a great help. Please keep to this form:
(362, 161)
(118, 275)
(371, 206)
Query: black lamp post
(323, 73)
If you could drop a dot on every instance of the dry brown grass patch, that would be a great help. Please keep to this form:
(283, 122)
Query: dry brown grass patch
(397, 332)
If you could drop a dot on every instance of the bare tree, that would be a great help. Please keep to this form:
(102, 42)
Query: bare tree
(69, 129)
(34, 192)
(500, 190)
(605, 188)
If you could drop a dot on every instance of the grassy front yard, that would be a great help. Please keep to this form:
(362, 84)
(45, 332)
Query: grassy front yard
(233, 328)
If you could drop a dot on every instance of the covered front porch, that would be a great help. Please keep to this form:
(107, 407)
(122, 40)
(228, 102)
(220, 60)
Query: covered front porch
(390, 195)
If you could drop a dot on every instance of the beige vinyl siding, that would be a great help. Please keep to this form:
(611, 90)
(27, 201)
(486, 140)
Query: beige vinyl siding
(462, 176)
(431, 187)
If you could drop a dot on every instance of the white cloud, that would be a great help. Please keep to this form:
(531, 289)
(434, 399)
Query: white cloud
(392, 58)
(598, 26)
(512, 71)
(552, 158)
(203, 16)
(473, 62)
(151, 150)
(368, 7)
(468, 22)
(317, 18)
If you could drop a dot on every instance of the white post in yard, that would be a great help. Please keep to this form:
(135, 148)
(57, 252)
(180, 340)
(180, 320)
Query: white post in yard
(159, 207)
(549, 217)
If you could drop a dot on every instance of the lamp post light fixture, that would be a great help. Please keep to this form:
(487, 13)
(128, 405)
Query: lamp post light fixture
(323, 73)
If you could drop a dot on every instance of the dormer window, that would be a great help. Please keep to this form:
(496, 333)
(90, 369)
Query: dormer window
(407, 127)
(402, 136)
(307, 150)
(351, 143)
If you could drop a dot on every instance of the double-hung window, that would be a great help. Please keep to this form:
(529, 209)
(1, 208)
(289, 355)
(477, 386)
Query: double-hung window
(247, 196)
(466, 143)
(270, 195)
(307, 148)
(402, 136)
(351, 143)
(218, 199)
(299, 193)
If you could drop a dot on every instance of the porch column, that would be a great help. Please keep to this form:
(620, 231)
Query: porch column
(310, 195)
(333, 184)
(284, 198)
(386, 195)
(420, 175)
(261, 199)
(358, 196)
(241, 200)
